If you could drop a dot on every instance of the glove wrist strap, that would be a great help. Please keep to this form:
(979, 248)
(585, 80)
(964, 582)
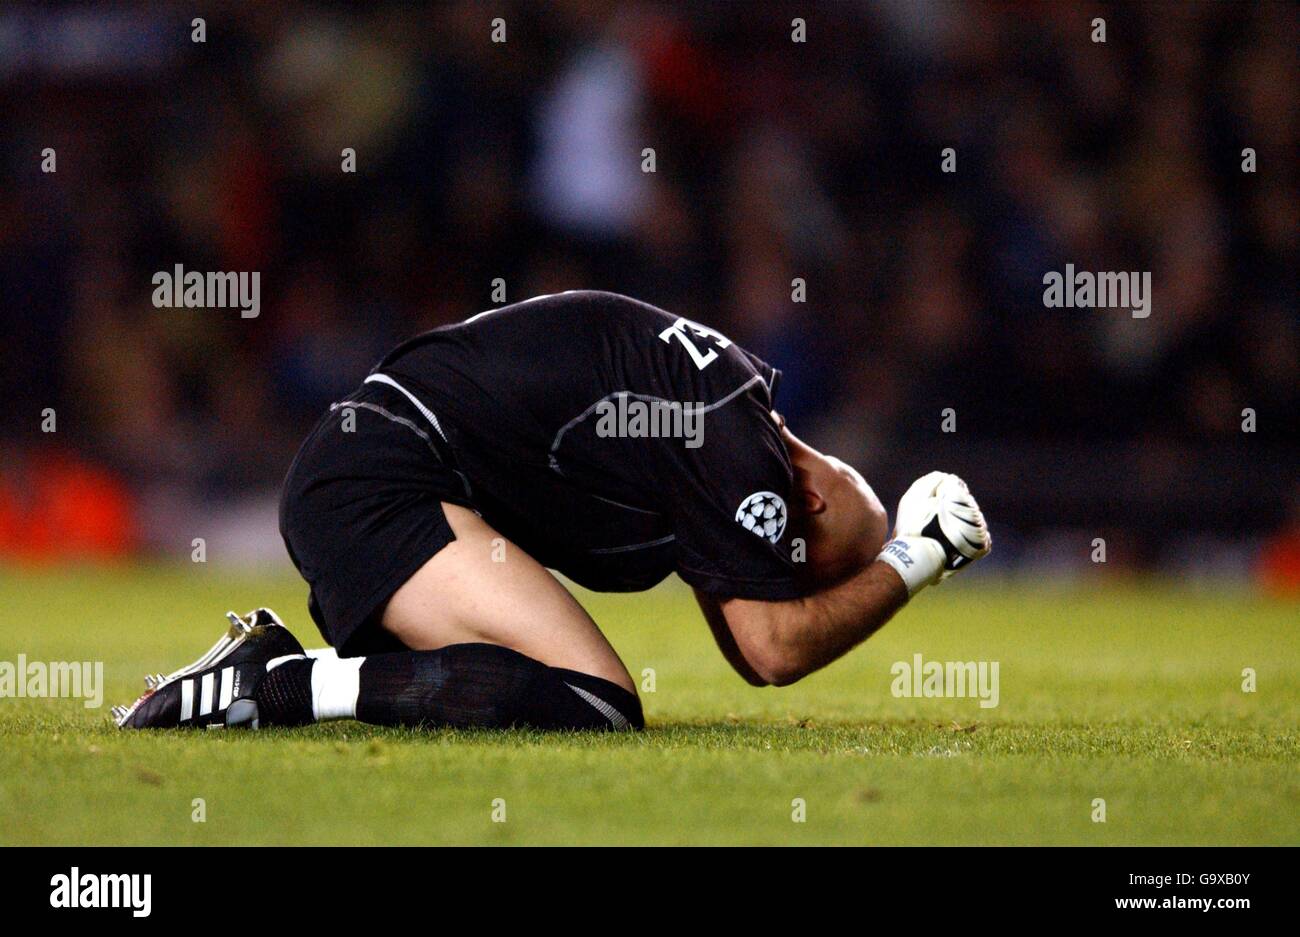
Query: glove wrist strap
(917, 560)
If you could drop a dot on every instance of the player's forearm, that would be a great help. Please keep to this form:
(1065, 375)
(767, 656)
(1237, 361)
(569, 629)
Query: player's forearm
(812, 632)
(776, 643)
(940, 530)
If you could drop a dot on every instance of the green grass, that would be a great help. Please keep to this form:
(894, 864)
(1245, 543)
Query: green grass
(1127, 693)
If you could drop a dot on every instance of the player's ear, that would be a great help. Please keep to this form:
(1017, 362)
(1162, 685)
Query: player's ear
(808, 465)
(810, 500)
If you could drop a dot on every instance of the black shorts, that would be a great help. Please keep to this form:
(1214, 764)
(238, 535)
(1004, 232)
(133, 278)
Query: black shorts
(360, 511)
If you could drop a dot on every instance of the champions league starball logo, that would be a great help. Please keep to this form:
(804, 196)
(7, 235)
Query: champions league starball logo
(763, 513)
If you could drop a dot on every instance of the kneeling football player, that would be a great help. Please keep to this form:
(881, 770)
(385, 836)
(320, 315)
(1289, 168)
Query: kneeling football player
(584, 432)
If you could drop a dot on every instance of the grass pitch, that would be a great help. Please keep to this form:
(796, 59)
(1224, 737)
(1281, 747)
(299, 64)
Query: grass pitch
(1130, 694)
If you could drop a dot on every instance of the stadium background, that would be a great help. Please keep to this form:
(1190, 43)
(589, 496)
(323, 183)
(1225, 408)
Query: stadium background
(775, 160)
(1163, 685)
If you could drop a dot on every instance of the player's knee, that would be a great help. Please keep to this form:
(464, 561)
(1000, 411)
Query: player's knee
(479, 685)
(581, 701)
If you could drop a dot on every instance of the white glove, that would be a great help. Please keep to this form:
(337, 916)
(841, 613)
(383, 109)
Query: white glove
(939, 530)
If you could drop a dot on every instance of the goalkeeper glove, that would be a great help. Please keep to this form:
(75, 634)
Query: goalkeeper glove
(939, 530)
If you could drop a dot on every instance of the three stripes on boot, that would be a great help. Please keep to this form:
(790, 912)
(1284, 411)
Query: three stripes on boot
(213, 687)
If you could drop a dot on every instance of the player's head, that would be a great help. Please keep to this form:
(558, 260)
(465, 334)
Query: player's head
(840, 518)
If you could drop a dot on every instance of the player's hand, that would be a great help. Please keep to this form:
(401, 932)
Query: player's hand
(939, 530)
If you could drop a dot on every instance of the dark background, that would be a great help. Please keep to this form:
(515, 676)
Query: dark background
(774, 160)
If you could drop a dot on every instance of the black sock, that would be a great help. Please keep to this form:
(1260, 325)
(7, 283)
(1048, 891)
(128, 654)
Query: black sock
(490, 686)
(284, 695)
(463, 685)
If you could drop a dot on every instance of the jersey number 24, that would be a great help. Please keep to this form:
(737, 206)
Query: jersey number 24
(679, 331)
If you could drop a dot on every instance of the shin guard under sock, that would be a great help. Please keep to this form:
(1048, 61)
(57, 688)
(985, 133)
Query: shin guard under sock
(485, 685)
(463, 685)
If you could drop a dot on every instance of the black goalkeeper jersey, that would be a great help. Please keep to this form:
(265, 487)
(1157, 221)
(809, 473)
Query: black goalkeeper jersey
(560, 415)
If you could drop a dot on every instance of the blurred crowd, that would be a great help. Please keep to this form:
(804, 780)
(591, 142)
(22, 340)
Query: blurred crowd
(773, 160)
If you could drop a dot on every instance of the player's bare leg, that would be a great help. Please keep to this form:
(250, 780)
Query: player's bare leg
(494, 641)
(259, 675)
(482, 588)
